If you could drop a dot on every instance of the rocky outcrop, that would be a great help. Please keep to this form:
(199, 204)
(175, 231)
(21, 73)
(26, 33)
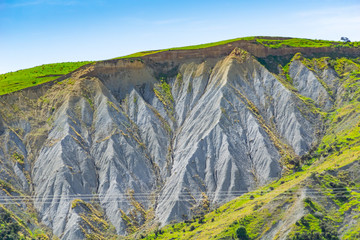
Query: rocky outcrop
(147, 140)
(309, 85)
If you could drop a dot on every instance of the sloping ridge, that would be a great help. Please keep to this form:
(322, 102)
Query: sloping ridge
(269, 57)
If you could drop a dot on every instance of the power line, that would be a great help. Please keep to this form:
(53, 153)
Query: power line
(185, 197)
(163, 202)
(147, 194)
(194, 193)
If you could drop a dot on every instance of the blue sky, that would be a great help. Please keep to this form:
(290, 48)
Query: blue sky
(35, 32)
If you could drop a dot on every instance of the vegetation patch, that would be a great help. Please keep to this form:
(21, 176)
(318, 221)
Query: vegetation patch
(15, 81)
(305, 43)
(9, 228)
(137, 216)
(93, 222)
(19, 158)
(162, 91)
(193, 47)
(270, 43)
(12, 227)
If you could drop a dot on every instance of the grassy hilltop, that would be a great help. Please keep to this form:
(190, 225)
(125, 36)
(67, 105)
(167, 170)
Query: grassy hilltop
(15, 81)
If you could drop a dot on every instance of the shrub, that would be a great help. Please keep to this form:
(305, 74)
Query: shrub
(9, 228)
(340, 190)
(304, 222)
(241, 233)
(158, 232)
(313, 176)
(307, 200)
(319, 215)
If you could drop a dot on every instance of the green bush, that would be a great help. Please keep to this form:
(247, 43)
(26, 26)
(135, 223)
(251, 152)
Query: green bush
(241, 233)
(9, 228)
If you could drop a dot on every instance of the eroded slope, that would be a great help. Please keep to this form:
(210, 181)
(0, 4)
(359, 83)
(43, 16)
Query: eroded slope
(127, 143)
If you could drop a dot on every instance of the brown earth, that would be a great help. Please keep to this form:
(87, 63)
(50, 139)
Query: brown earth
(267, 56)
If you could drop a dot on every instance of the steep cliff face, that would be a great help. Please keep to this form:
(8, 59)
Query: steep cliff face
(140, 141)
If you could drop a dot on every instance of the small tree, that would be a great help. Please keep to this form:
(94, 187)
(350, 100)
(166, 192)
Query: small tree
(241, 233)
(345, 39)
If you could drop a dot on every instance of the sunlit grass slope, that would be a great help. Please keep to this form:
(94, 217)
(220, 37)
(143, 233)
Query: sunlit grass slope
(14, 81)
(267, 42)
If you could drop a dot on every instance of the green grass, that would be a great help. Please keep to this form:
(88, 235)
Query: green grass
(15, 81)
(304, 43)
(162, 91)
(270, 43)
(223, 222)
(327, 212)
(193, 47)
(207, 45)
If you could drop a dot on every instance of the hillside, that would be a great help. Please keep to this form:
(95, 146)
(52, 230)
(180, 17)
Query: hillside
(15, 81)
(269, 51)
(259, 134)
